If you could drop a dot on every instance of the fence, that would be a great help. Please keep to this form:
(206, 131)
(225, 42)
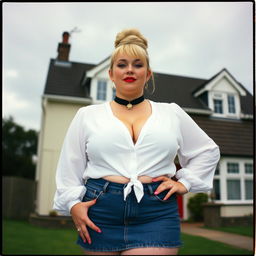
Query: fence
(18, 197)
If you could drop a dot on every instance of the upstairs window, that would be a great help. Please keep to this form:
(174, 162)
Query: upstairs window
(102, 90)
(231, 104)
(224, 104)
(218, 103)
(218, 106)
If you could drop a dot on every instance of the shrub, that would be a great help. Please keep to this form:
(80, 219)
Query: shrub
(53, 213)
(195, 206)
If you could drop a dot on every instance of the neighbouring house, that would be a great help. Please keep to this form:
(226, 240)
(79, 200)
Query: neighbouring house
(221, 106)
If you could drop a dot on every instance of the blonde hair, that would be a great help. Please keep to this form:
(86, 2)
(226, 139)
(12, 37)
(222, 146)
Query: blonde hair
(132, 43)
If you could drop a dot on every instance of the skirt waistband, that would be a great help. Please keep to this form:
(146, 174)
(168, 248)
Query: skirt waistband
(101, 183)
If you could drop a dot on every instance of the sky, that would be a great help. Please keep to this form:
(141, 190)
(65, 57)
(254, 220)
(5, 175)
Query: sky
(192, 39)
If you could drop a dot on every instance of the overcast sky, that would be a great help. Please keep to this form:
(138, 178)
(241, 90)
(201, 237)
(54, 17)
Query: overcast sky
(195, 39)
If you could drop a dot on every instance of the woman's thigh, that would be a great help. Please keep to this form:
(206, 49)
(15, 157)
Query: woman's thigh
(151, 251)
(101, 253)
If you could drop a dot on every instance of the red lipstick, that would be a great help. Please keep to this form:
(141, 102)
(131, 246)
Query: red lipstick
(129, 79)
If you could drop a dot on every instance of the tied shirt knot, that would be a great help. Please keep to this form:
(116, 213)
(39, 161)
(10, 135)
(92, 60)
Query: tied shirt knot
(137, 186)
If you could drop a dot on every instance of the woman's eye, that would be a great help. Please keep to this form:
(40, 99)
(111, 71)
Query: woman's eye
(121, 65)
(138, 65)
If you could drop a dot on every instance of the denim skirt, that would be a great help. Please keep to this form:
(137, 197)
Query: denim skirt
(127, 224)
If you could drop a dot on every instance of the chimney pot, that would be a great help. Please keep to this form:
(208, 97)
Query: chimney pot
(65, 37)
(64, 48)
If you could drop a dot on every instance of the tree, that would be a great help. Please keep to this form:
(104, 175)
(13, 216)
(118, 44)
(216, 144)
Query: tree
(19, 146)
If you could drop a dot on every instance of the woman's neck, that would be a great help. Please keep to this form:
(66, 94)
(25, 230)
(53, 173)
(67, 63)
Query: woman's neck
(129, 97)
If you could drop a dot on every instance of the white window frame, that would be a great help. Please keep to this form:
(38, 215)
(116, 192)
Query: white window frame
(103, 81)
(212, 95)
(231, 95)
(94, 88)
(214, 99)
(223, 176)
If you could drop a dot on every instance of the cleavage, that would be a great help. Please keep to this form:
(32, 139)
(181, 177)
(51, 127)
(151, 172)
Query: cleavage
(134, 128)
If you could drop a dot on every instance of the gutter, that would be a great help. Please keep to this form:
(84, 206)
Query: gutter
(68, 99)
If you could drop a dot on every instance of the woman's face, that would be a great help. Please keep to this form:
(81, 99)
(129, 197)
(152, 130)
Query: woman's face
(129, 74)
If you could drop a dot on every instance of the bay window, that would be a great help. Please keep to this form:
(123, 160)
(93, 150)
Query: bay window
(233, 181)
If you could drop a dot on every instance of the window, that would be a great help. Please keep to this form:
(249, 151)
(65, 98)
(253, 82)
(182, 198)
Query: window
(216, 189)
(248, 168)
(216, 183)
(224, 104)
(233, 181)
(231, 104)
(233, 168)
(233, 189)
(101, 90)
(217, 171)
(248, 189)
(218, 108)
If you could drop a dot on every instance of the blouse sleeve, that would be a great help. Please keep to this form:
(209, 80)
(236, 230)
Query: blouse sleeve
(198, 154)
(71, 167)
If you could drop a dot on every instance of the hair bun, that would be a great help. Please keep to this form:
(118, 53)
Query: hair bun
(131, 36)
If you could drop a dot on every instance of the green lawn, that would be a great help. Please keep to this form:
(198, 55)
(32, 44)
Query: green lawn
(20, 237)
(195, 245)
(244, 231)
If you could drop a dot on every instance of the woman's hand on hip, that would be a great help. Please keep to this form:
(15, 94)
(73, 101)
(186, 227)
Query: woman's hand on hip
(169, 184)
(79, 213)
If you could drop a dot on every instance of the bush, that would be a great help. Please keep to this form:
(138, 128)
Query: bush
(195, 206)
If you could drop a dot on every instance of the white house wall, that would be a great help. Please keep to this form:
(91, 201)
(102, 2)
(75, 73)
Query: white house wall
(57, 117)
(236, 210)
(224, 85)
(102, 75)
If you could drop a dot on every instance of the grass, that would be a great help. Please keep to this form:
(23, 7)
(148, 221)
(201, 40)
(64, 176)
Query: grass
(20, 237)
(195, 245)
(244, 231)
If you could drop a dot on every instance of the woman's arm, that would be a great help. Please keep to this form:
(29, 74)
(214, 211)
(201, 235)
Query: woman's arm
(198, 154)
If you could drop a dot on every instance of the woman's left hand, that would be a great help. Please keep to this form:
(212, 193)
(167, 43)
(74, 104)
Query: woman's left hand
(169, 184)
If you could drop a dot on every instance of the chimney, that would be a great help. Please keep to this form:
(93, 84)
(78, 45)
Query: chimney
(64, 48)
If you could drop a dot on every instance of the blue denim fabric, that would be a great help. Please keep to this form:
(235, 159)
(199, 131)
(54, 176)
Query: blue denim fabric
(128, 224)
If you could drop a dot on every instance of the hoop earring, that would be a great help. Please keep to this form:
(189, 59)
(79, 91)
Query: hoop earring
(113, 85)
(153, 86)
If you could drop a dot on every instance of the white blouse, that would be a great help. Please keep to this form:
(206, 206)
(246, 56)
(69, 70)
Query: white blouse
(98, 144)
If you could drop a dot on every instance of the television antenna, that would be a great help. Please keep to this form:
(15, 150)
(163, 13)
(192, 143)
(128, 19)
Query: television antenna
(75, 30)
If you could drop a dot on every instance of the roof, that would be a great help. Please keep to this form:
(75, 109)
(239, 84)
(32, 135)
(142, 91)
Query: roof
(234, 137)
(178, 89)
(64, 78)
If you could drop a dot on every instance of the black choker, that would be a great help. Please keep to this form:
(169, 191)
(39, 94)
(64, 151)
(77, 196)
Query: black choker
(129, 104)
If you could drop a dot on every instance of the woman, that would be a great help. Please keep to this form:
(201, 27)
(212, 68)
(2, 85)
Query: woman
(116, 174)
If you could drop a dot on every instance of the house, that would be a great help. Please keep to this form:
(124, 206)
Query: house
(221, 106)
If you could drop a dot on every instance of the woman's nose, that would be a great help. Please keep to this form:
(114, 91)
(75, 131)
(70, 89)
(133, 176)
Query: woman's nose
(130, 69)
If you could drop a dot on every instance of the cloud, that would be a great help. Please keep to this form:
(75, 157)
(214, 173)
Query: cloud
(23, 111)
(185, 38)
(11, 73)
(13, 104)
